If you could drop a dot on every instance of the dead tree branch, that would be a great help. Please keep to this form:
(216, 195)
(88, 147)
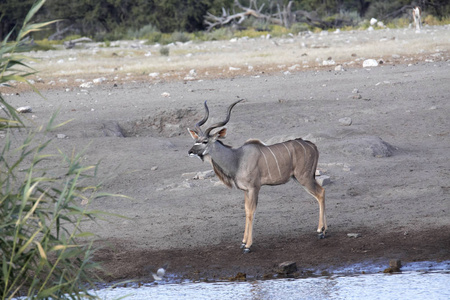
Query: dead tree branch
(284, 17)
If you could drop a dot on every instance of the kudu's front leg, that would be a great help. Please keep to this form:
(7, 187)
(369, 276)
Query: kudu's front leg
(251, 201)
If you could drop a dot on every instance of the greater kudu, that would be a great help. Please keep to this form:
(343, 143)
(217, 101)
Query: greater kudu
(255, 164)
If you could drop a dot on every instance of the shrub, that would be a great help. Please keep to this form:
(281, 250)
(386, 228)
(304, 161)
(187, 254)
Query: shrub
(180, 37)
(164, 51)
(41, 253)
(40, 218)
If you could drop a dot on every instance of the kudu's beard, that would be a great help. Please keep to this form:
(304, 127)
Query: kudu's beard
(200, 156)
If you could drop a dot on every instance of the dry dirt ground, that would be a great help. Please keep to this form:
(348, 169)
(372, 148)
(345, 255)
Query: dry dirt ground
(389, 169)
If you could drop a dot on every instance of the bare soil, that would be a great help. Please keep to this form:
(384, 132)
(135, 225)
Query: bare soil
(389, 169)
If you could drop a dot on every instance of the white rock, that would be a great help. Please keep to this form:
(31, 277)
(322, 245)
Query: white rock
(234, 69)
(154, 74)
(346, 121)
(323, 180)
(165, 94)
(86, 85)
(61, 136)
(328, 62)
(339, 68)
(99, 80)
(370, 63)
(24, 109)
(373, 21)
(205, 175)
(354, 235)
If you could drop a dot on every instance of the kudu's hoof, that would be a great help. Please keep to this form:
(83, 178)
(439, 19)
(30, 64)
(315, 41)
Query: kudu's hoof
(246, 250)
(321, 235)
(242, 246)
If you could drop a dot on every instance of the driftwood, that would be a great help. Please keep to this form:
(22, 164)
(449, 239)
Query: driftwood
(213, 21)
(284, 17)
(70, 44)
(399, 12)
(59, 34)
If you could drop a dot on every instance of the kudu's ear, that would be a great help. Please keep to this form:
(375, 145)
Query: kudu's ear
(222, 133)
(193, 134)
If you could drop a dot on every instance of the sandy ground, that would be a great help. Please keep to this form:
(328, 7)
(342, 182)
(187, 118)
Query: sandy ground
(389, 169)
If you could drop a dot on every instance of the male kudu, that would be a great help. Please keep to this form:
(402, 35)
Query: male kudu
(255, 164)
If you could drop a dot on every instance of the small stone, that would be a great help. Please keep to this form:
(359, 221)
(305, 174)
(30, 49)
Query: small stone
(165, 94)
(205, 175)
(24, 109)
(86, 85)
(61, 136)
(357, 96)
(189, 175)
(355, 91)
(395, 263)
(287, 267)
(154, 168)
(239, 276)
(99, 80)
(339, 68)
(354, 235)
(394, 266)
(323, 180)
(346, 121)
(370, 63)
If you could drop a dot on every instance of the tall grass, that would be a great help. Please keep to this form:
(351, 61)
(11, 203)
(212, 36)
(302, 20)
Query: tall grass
(44, 253)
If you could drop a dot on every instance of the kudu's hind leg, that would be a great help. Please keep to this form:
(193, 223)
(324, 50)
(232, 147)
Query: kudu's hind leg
(318, 192)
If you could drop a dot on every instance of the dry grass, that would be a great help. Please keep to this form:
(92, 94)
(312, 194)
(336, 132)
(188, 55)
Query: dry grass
(127, 60)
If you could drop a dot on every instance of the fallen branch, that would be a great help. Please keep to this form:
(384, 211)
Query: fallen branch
(70, 44)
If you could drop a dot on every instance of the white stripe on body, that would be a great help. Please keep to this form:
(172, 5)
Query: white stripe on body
(287, 149)
(276, 160)
(304, 149)
(267, 164)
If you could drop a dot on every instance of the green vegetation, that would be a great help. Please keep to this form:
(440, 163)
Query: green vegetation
(158, 20)
(44, 199)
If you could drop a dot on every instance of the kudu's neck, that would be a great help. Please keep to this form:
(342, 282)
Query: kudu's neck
(225, 157)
